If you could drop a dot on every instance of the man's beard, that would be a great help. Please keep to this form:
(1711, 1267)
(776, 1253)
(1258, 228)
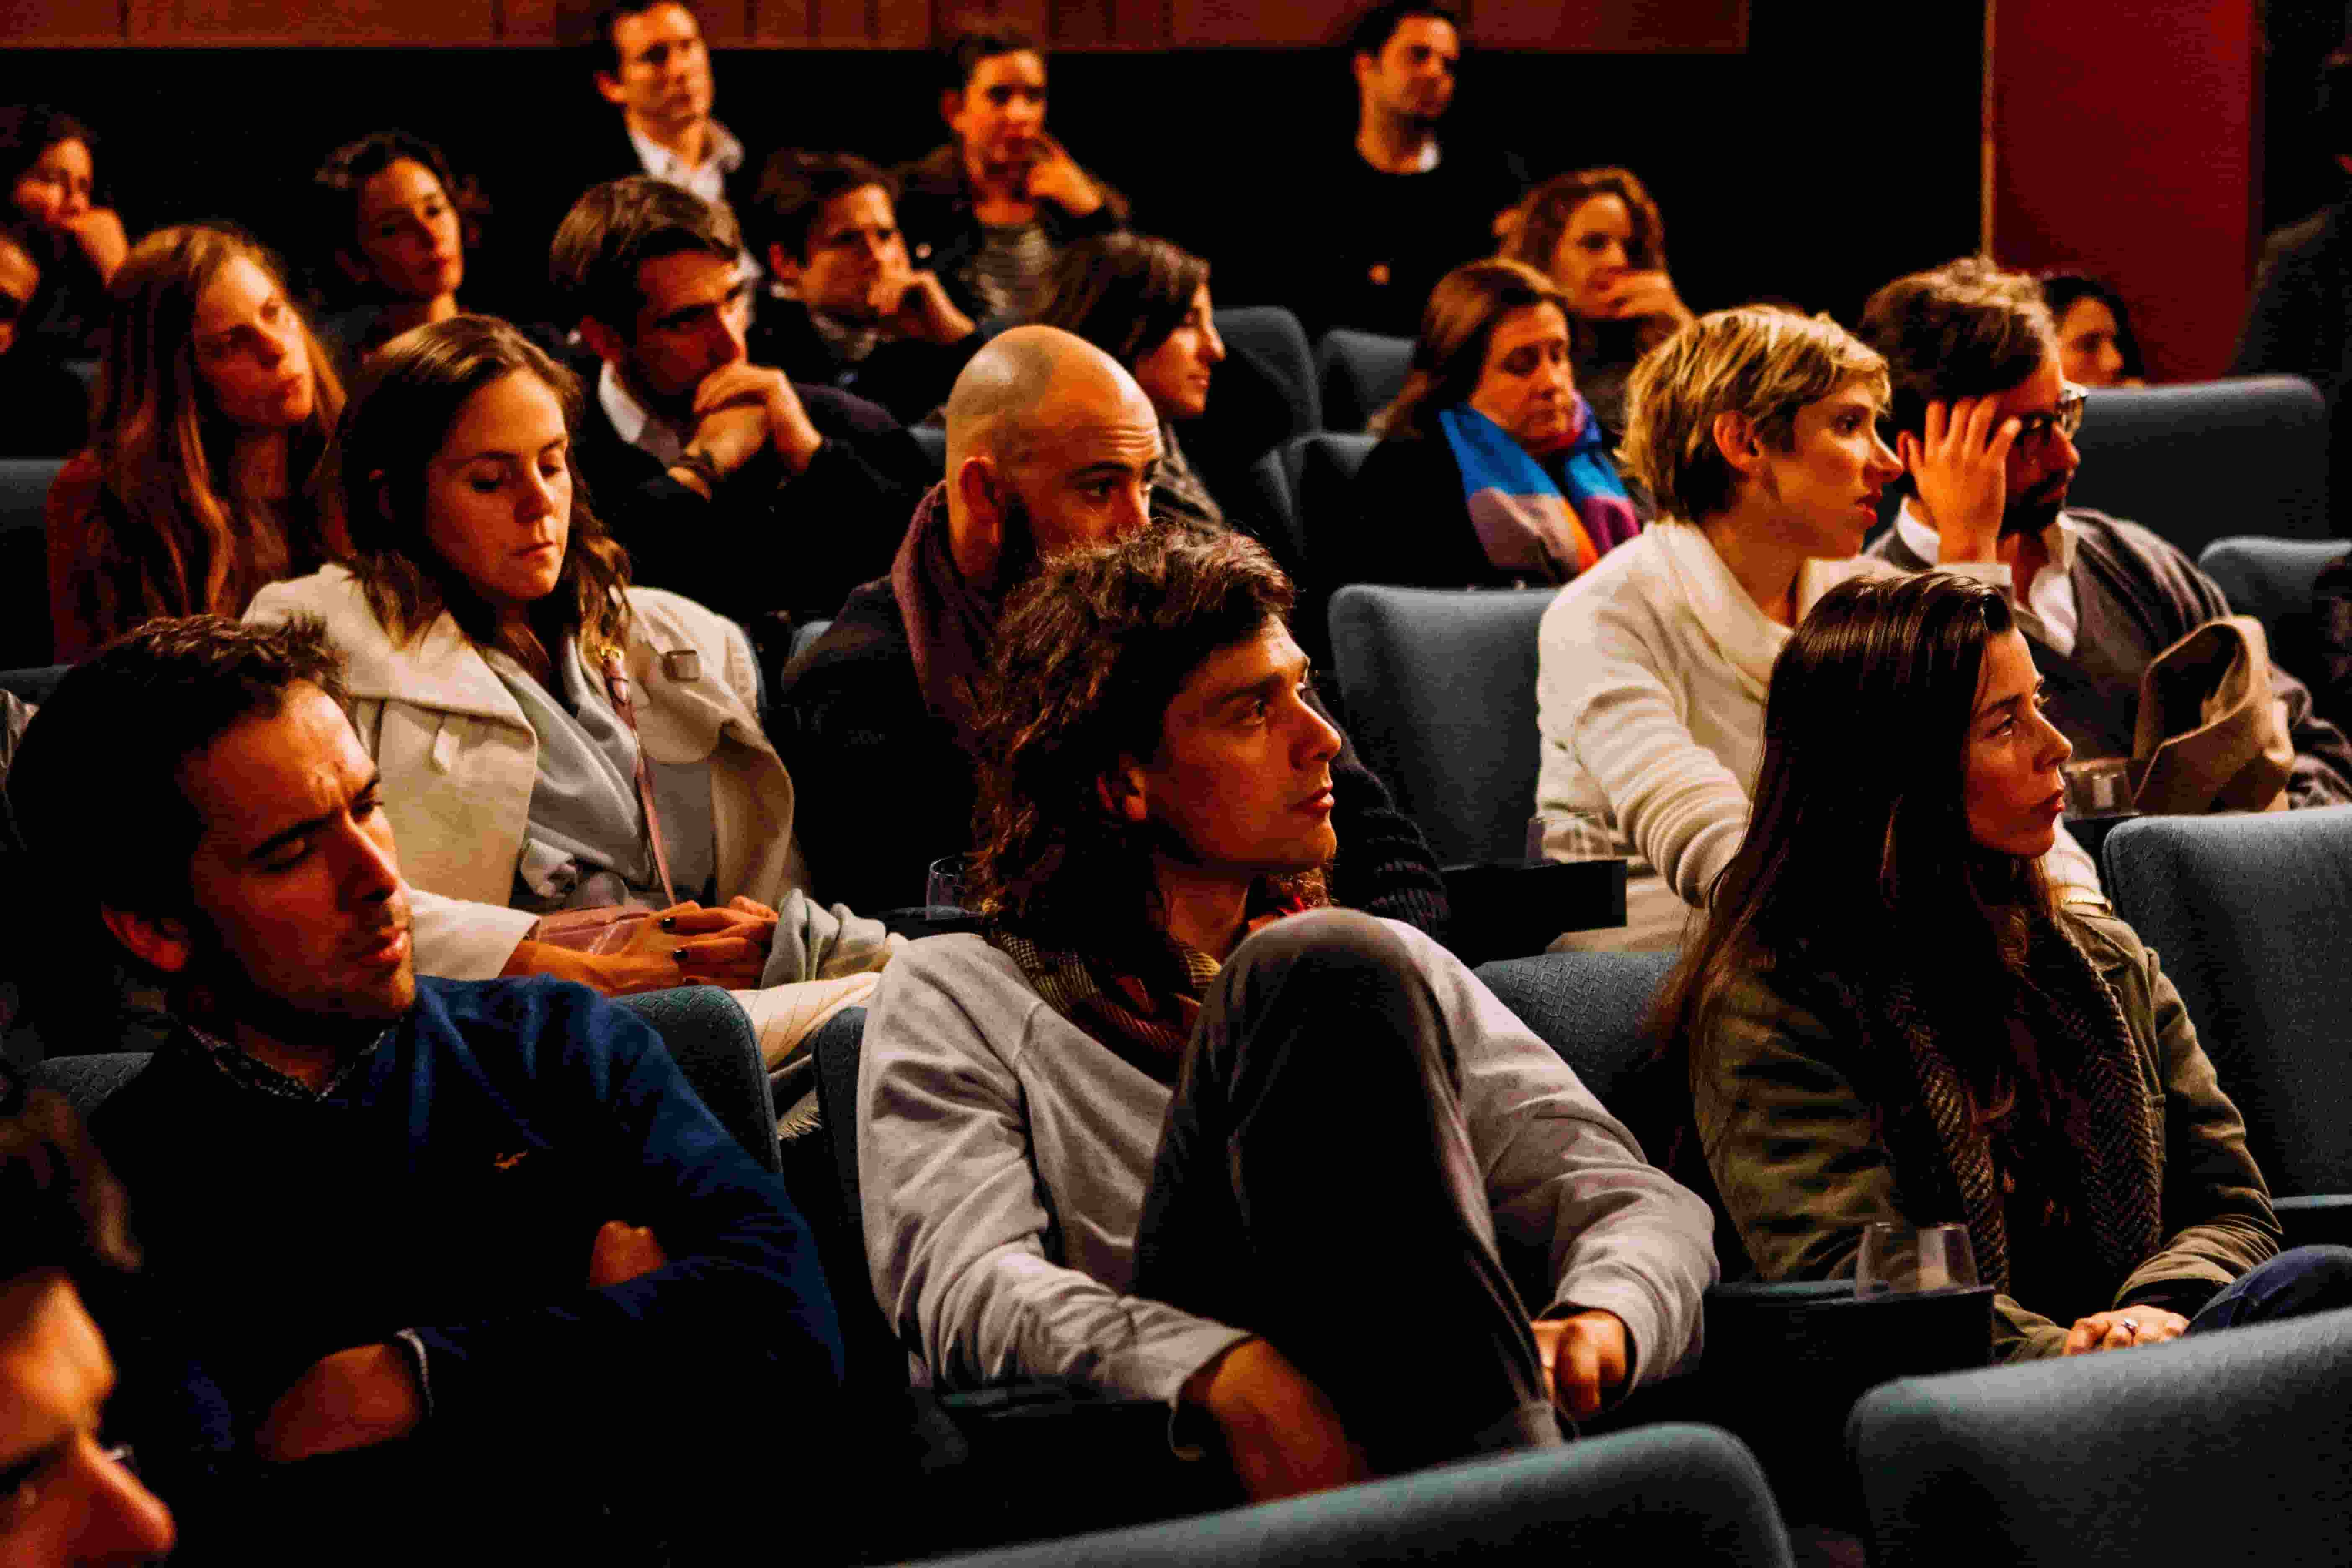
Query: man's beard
(2035, 511)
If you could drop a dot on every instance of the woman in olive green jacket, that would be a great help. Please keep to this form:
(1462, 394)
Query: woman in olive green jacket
(1891, 1016)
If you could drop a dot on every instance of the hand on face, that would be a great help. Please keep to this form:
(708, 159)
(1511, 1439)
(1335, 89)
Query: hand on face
(785, 422)
(1054, 177)
(1628, 296)
(916, 305)
(1960, 467)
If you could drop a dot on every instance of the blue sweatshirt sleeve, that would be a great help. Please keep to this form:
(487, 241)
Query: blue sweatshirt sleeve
(741, 1312)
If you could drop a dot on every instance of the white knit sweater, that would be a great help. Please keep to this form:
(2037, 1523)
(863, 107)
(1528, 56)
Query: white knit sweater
(1651, 676)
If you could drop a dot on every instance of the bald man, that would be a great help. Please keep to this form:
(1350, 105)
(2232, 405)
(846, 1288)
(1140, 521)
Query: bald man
(1051, 446)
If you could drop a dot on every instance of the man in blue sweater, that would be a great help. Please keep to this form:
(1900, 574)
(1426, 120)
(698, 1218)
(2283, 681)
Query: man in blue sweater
(434, 1264)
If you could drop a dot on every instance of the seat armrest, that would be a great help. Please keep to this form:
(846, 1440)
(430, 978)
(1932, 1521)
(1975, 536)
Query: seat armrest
(2315, 1221)
(1514, 909)
(919, 921)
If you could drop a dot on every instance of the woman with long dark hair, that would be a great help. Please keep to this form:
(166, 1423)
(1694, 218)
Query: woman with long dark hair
(552, 741)
(394, 224)
(49, 170)
(214, 404)
(1890, 1016)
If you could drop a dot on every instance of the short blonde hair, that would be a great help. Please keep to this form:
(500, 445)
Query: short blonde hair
(1759, 361)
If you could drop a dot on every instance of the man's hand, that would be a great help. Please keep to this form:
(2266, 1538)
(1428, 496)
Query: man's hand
(2123, 1328)
(742, 384)
(622, 1253)
(1633, 295)
(1057, 177)
(916, 305)
(1584, 1356)
(350, 1399)
(1959, 464)
(1281, 1434)
(99, 233)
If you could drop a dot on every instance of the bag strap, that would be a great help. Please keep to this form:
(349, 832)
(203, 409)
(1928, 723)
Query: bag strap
(617, 684)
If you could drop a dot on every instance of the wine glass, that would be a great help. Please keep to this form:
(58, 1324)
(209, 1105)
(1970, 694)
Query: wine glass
(1898, 1258)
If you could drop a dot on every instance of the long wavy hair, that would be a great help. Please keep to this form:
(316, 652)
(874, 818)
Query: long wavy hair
(1543, 222)
(1088, 656)
(170, 540)
(1858, 859)
(1450, 355)
(1124, 293)
(408, 398)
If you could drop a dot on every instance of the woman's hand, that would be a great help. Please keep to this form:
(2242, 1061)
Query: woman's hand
(2124, 1328)
(99, 233)
(1057, 177)
(1960, 465)
(1636, 294)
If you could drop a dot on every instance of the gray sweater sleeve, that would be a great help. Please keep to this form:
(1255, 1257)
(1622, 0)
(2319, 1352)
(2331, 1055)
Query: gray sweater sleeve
(1565, 1178)
(957, 1236)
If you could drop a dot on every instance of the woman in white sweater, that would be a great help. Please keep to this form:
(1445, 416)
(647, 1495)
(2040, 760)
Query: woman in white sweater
(550, 741)
(1757, 431)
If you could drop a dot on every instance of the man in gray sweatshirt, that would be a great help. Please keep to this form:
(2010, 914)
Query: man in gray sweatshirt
(1175, 1127)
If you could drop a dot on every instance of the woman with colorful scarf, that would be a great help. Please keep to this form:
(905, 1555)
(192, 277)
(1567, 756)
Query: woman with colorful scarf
(1492, 472)
(1890, 1015)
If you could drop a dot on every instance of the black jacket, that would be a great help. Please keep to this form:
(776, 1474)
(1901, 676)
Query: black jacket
(904, 375)
(883, 789)
(2299, 321)
(1411, 524)
(944, 233)
(767, 541)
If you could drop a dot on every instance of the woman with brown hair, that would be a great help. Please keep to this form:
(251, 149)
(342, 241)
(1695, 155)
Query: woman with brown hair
(394, 224)
(214, 409)
(551, 740)
(1492, 471)
(1598, 235)
(1890, 1015)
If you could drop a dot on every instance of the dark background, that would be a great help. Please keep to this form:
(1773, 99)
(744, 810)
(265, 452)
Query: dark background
(1839, 150)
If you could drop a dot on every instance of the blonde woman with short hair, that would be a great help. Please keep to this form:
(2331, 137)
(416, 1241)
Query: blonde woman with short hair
(1757, 431)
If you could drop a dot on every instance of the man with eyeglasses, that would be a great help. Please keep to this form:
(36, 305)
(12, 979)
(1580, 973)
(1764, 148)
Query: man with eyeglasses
(65, 1495)
(1985, 426)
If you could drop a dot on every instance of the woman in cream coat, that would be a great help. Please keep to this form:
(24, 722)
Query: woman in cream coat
(484, 621)
(1756, 429)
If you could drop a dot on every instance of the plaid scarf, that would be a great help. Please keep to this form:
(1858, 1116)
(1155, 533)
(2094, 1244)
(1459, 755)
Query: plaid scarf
(950, 623)
(1144, 1013)
(2109, 1123)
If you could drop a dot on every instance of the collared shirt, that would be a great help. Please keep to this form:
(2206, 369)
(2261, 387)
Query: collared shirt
(706, 179)
(634, 422)
(2048, 613)
(255, 1074)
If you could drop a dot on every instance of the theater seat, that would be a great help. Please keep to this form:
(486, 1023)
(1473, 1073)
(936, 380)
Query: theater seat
(2225, 1448)
(1321, 469)
(933, 441)
(24, 635)
(2247, 913)
(2275, 581)
(2197, 461)
(1667, 1494)
(34, 684)
(1361, 374)
(1274, 345)
(1440, 690)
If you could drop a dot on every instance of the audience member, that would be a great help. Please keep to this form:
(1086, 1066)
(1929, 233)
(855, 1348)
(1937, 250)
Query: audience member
(1492, 470)
(1757, 431)
(1598, 237)
(988, 211)
(65, 1496)
(2299, 319)
(48, 411)
(1889, 1016)
(392, 222)
(605, 753)
(729, 484)
(1358, 236)
(1051, 445)
(653, 66)
(1086, 1141)
(46, 162)
(2098, 598)
(845, 307)
(482, 1243)
(1146, 303)
(214, 404)
(2097, 345)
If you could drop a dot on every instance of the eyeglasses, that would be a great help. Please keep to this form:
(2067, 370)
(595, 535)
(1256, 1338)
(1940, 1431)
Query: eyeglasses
(2034, 430)
(18, 1506)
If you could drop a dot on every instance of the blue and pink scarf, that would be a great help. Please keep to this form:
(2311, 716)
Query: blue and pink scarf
(1548, 520)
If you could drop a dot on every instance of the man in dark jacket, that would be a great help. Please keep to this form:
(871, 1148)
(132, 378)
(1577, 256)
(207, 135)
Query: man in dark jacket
(727, 482)
(845, 307)
(1051, 447)
(988, 211)
(1984, 424)
(437, 1259)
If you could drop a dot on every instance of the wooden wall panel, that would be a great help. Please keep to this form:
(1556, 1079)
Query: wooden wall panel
(260, 23)
(29, 24)
(1197, 23)
(1620, 27)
